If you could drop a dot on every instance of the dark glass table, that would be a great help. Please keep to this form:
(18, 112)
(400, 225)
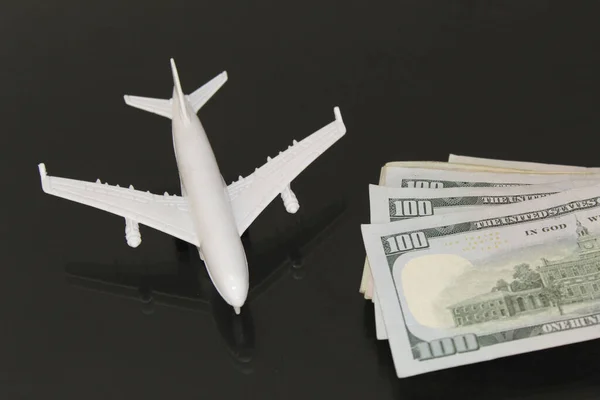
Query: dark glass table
(85, 316)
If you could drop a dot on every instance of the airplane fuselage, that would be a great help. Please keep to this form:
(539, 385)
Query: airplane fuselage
(203, 186)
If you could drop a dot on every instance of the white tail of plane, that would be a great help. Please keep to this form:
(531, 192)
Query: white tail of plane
(165, 107)
(177, 91)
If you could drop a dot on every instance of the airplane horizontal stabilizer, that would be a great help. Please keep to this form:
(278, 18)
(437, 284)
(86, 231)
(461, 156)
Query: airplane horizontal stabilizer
(201, 95)
(157, 106)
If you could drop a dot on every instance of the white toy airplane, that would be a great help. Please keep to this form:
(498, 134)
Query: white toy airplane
(210, 215)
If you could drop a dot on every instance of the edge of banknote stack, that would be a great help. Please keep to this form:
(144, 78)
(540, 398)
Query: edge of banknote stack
(475, 259)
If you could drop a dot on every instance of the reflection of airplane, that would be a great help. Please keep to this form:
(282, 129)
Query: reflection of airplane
(209, 214)
(186, 285)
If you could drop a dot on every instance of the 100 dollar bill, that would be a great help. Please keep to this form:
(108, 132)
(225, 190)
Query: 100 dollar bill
(438, 175)
(392, 204)
(430, 165)
(462, 288)
(401, 175)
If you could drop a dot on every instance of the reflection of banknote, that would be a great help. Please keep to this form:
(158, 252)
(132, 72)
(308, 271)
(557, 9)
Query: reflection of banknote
(467, 287)
(525, 165)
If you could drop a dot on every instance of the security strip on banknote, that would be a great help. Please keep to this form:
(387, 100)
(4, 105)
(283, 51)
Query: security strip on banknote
(462, 288)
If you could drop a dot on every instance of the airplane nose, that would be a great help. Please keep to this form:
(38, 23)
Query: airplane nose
(236, 293)
(229, 273)
(233, 288)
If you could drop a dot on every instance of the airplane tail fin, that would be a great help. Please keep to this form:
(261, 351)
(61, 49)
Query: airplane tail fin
(177, 91)
(164, 107)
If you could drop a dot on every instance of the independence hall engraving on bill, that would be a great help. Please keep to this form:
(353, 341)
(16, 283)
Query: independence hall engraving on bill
(567, 281)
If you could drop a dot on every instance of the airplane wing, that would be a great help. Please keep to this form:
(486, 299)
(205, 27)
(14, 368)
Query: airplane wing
(252, 194)
(166, 213)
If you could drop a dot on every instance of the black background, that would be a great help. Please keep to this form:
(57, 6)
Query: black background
(415, 80)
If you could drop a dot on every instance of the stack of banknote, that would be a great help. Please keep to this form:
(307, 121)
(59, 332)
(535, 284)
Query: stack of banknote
(475, 259)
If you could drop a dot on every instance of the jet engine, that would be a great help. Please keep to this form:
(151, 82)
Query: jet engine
(290, 202)
(132, 233)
